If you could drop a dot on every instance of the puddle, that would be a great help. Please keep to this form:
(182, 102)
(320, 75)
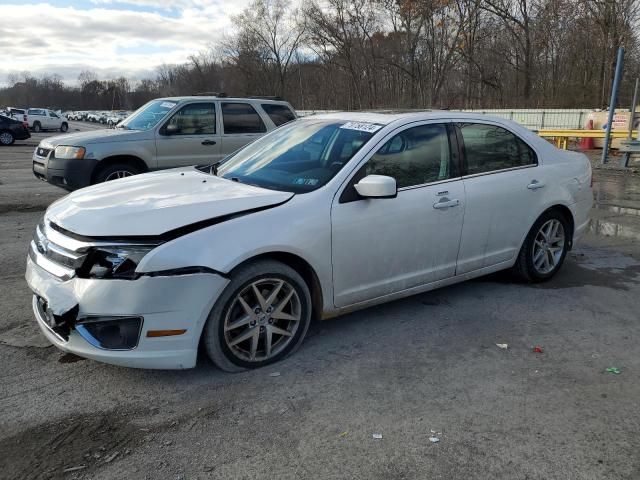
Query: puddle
(609, 228)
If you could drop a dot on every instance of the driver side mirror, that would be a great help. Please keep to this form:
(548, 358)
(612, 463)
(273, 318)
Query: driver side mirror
(172, 129)
(377, 186)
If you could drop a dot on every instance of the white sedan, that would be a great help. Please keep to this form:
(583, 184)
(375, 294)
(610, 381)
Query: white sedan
(324, 215)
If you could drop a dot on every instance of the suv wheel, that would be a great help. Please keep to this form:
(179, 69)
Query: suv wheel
(6, 138)
(64, 127)
(116, 171)
(36, 127)
(261, 317)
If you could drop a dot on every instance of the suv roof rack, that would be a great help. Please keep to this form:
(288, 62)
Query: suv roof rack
(210, 94)
(266, 97)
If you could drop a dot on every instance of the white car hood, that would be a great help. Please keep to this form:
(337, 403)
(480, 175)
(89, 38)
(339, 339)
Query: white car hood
(156, 203)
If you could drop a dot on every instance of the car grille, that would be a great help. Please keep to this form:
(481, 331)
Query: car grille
(58, 254)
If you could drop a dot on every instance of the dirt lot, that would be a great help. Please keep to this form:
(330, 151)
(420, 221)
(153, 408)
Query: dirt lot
(423, 364)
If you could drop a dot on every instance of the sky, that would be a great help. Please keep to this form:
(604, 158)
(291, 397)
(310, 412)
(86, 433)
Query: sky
(110, 37)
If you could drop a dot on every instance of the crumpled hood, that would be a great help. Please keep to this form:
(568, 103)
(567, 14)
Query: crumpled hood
(155, 203)
(80, 139)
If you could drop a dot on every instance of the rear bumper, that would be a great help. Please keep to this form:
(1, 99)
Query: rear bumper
(180, 302)
(21, 134)
(68, 174)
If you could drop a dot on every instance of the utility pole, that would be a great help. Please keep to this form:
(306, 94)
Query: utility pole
(612, 104)
(632, 113)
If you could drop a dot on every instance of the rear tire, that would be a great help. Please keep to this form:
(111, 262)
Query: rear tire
(544, 249)
(36, 127)
(7, 138)
(115, 171)
(239, 317)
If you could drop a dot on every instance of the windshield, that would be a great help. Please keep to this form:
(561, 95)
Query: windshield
(148, 116)
(298, 157)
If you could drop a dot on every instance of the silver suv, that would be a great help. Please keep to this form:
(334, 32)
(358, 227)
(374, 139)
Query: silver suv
(164, 133)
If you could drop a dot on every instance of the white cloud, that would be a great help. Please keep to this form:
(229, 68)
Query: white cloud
(109, 36)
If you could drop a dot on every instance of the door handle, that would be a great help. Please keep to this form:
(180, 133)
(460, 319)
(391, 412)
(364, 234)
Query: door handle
(209, 142)
(535, 185)
(446, 203)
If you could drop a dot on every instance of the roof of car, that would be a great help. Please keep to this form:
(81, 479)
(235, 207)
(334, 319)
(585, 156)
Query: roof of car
(226, 99)
(385, 117)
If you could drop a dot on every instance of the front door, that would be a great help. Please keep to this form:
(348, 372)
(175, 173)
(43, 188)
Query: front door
(383, 246)
(192, 139)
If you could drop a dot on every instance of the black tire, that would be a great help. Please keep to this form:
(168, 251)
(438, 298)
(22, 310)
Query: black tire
(524, 269)
(106, 173)
(36, 127)
(64, 127)
(7, 138)
(213, 335)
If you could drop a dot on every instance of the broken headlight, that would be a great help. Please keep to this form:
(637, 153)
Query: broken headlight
(115, 262)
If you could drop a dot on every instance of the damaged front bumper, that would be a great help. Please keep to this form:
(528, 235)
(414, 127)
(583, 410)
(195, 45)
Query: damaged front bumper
(74, 315)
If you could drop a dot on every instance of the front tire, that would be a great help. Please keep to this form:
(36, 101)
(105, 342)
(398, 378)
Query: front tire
(7, 138)
(115, 171)
(36, 127)
(64, 127)
(260, 318)
(544, 249)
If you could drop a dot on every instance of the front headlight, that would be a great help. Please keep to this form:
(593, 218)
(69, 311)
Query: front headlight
(115, 262)
(66, 152)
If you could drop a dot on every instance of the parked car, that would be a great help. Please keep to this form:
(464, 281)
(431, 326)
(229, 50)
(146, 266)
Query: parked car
(322, 216)
(19, 114)
(45, 119)
(12, 130)
(164, 133)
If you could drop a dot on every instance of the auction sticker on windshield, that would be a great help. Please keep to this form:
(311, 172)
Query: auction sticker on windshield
(362, 126)
(167, 104)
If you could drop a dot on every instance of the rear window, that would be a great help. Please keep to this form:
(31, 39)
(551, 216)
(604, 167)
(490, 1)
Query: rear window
(279, 114)
(241, 118)
(35, 111)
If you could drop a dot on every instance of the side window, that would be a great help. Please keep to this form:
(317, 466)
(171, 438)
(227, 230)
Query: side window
(195, 119)
(53, 115)
(489, 148)
(414, 156)
(279, 114)
(241, 118)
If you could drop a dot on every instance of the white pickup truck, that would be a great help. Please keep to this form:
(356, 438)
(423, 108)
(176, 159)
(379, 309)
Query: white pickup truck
(44, 119)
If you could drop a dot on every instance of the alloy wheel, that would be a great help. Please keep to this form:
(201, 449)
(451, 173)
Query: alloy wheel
(118, 174)
(262, 319)
(6, 138)
(548, 246)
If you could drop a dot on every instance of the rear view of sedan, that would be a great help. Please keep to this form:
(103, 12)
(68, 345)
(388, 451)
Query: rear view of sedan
(12, 130)
(322, 216)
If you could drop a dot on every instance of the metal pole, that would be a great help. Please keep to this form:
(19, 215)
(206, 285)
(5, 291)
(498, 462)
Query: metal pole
(632, 113)
(612, 103)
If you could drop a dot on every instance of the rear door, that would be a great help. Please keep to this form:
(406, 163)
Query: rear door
(195, 138)
(504, 188)
(241, 124)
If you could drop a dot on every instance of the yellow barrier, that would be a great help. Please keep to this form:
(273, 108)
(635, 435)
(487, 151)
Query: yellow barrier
(562, 136)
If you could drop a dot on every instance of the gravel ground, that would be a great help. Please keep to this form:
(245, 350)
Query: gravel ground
(427, 366)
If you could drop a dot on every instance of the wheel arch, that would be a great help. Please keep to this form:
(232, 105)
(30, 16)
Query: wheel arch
(559, 207)
(114, 159)
(568, 214)
(300, 265)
